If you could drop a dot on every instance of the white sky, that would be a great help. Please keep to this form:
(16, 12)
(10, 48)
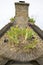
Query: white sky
(7, 10)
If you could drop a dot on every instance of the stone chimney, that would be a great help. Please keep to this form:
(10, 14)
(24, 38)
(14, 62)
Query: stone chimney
(21, 11)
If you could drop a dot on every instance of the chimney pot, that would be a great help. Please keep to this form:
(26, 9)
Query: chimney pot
(22, 1)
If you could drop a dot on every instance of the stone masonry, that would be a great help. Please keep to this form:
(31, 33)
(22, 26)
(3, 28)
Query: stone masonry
(21, 11)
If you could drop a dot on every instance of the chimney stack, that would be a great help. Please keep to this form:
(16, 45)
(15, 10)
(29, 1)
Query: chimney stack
(21, 11)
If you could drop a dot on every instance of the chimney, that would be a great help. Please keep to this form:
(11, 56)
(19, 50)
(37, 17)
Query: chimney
(21, 11)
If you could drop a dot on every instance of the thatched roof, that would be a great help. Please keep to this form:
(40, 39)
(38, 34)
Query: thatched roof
(5, 50)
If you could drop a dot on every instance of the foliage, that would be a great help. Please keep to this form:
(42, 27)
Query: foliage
(31, 20)
(12, 19)
(15, 32)
(31, 45)
(29, 33)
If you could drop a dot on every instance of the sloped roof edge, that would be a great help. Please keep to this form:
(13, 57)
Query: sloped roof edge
(5, 28)
(36, 29)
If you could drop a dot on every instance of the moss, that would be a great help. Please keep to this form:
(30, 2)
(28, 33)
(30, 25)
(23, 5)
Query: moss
(12, 19)
(31, 20)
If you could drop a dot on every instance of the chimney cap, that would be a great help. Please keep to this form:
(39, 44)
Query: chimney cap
(22, 1)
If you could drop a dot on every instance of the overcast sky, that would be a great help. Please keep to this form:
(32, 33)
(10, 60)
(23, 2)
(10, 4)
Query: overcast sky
(7, 10)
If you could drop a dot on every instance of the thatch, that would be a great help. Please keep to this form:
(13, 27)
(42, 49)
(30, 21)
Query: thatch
(11, 53)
